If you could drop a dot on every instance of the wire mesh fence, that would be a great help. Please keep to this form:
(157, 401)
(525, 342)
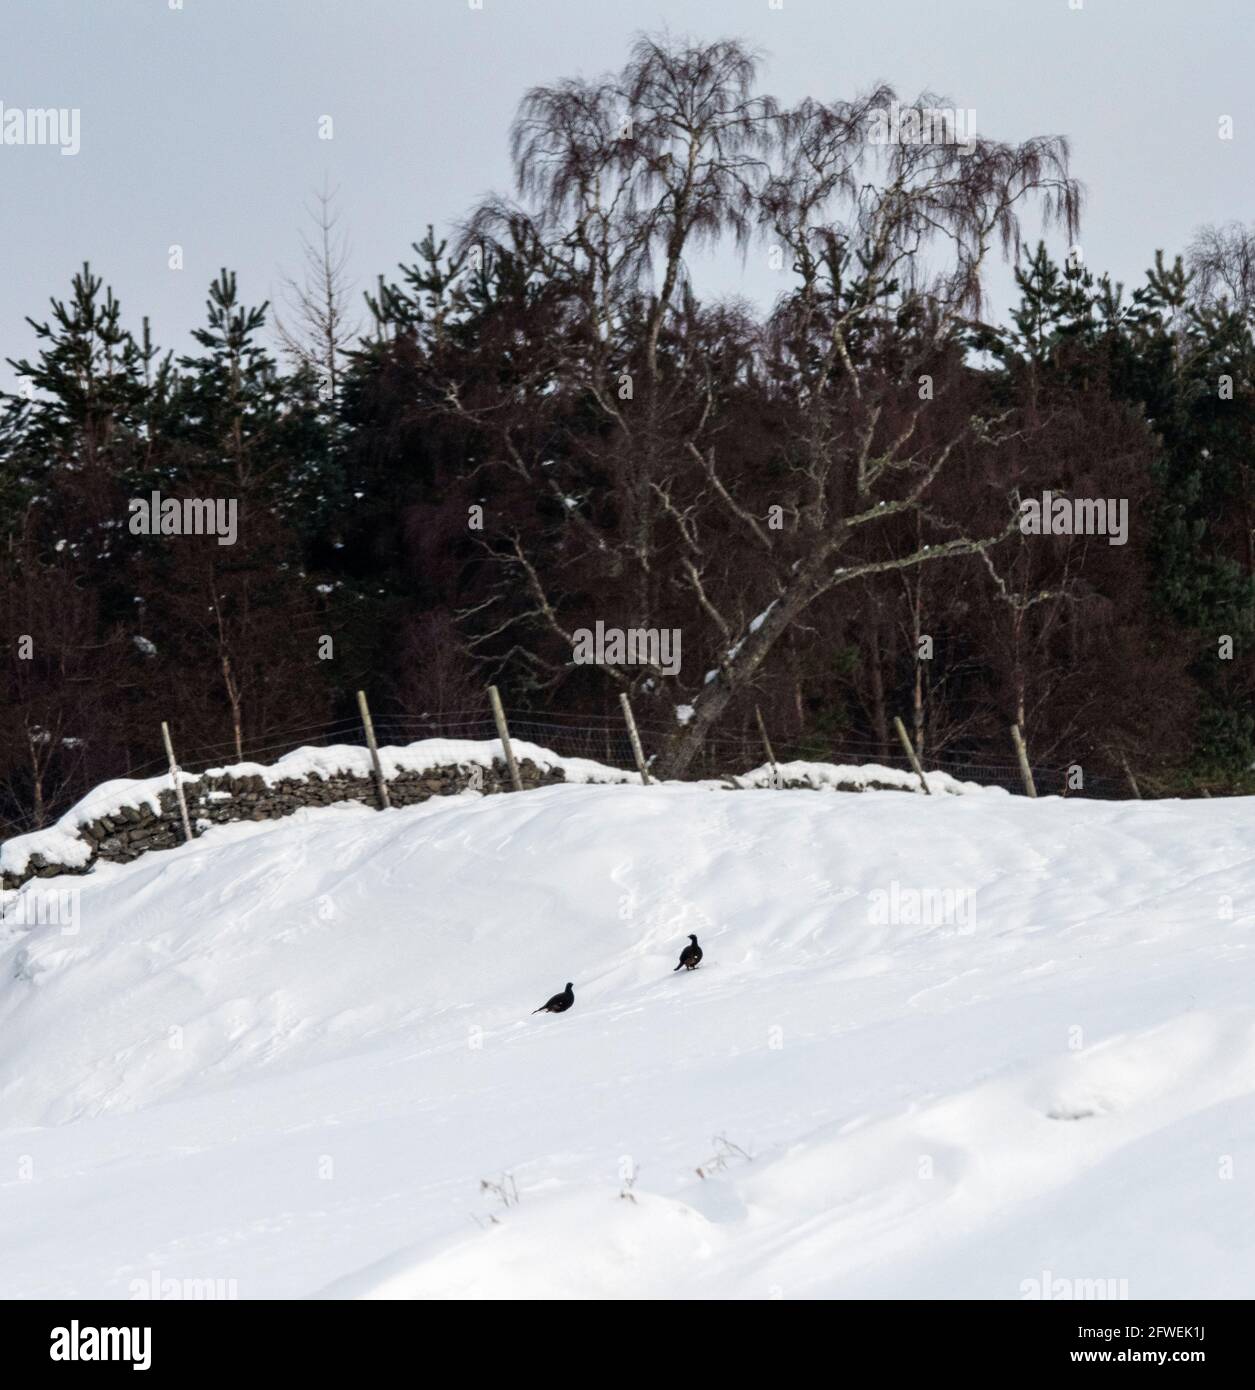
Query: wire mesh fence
(601, 738)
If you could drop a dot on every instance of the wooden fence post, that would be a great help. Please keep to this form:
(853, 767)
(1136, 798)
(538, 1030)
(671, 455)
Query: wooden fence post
(368, 725)
(503, 733)
(909, 748)
(1021, 753)
(174, 777)
(771, 757)
(637, 752)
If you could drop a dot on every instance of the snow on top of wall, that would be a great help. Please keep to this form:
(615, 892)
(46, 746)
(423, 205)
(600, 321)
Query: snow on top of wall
(860, 775)
(60, 843)
(347, 759)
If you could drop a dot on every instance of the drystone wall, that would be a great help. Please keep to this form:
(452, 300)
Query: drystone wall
(129, 831)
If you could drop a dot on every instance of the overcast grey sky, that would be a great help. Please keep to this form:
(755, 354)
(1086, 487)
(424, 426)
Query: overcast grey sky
(200, 125)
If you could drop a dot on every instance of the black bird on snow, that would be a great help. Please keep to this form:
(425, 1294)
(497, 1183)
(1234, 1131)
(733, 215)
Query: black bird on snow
(559, 1004)
(690, 956)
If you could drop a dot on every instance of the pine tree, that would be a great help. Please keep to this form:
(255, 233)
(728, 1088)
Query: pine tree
(250, 427)
(83, 417)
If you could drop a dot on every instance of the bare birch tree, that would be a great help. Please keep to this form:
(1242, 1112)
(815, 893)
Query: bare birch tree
(886, 242)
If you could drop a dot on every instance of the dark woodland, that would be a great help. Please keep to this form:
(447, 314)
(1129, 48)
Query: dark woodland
(538, 423)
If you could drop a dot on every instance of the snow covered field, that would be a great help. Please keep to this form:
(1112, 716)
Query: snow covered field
(939, 1047)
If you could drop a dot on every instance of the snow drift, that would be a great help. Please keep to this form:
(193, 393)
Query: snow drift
(938, 1047)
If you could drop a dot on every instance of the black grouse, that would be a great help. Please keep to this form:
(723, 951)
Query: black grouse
(559, 1004)
(690, 956)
